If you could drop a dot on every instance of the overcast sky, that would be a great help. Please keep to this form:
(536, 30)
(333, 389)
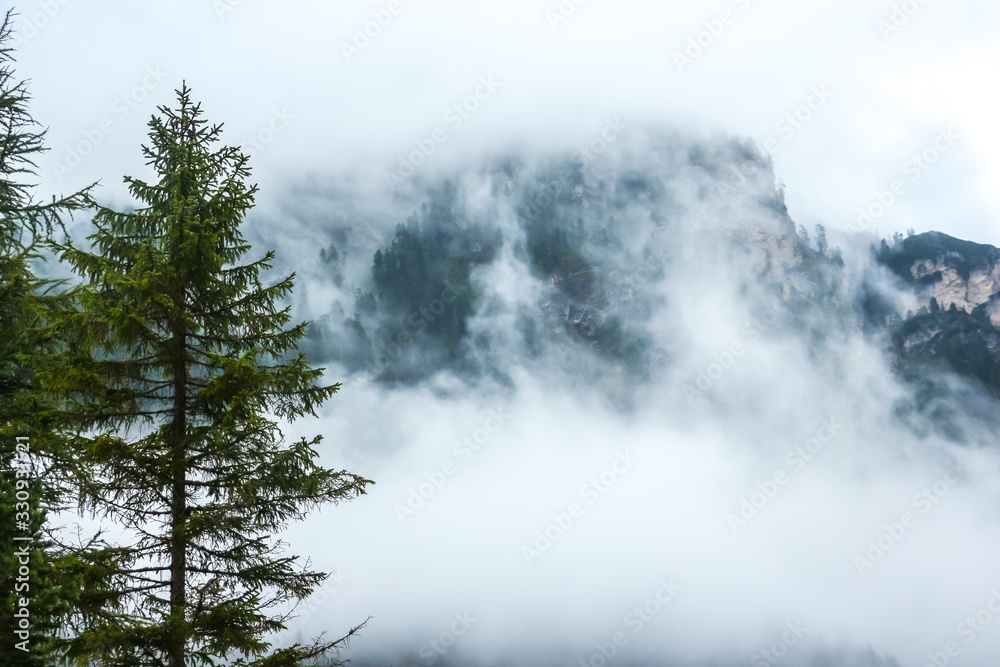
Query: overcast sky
(889, 83)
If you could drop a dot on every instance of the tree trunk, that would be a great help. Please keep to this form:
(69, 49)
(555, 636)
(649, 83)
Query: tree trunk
(176, 642)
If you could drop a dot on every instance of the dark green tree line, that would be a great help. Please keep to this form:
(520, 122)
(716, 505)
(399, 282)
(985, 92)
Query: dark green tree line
(55, 583)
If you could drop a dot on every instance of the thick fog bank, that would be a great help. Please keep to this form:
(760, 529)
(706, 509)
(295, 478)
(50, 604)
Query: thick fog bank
(621, 410)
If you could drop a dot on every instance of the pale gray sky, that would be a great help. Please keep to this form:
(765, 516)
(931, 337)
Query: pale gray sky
(890, 89)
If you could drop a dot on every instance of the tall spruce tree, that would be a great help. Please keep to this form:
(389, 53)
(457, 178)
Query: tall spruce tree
(194, 363)
(50, 581)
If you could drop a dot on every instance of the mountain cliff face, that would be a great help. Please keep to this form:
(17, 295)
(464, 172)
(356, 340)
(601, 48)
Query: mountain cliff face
(521, 262)
(948, 270)
(952, 301)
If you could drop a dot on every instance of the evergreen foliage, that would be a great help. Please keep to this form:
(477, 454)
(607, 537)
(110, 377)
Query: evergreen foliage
(176, 417)
(55, 580)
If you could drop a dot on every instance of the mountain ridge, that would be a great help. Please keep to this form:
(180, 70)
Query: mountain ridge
(595, 247)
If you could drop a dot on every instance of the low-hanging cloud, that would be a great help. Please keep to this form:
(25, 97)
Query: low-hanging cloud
(751, 495)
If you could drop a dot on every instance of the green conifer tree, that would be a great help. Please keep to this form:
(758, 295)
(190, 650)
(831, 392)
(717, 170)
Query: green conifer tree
(40, 585)
(194, 364)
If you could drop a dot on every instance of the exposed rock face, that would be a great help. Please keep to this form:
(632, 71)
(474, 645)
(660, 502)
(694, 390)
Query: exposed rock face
(993, 310)
(780, 258)
(955, 306)
(949, 270)
(949, 287)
